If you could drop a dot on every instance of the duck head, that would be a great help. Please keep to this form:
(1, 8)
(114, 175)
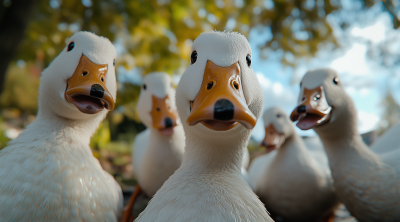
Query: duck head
(219, 91)
(80, 82)
(322, 101)
(278, 128)
(156, 104)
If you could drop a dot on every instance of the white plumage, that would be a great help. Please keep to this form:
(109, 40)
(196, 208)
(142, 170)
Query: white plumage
(366, 182)
(388, 142)
(294, 182)
(208, 186)
(49, 173)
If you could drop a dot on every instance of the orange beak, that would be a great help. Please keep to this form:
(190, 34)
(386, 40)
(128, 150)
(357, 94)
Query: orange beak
(163, 115)
(86, 88)
(314, 109)
(220, 104)
(273, 139)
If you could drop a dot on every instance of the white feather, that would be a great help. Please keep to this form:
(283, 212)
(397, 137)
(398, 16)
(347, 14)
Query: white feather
(208, 186)
(49, 173)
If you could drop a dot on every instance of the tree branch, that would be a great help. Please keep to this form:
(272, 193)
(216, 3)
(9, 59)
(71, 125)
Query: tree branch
(389, 6)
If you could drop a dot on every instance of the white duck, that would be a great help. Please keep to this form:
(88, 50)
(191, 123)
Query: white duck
(366, 182)
(219, 100)
(293, 183)
(157, 151)
(388, 142)
(245, 165)
(48, 173)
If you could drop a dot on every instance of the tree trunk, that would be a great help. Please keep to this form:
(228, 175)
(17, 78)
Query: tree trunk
(12, 27)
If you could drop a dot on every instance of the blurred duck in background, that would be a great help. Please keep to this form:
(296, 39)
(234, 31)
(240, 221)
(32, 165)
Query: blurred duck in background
(157, 151)
(389, 141)
(219, 101)
(367, 183)
(48, 173)
(294, 182)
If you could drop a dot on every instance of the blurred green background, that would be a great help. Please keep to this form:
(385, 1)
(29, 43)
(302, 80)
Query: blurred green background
(150, 35)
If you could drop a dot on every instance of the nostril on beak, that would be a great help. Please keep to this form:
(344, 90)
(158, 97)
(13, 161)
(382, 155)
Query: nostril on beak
(168, 122)
(97, 91)
(301, 109)
(223, 110)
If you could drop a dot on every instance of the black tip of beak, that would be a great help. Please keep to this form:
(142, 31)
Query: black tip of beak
(97, 91)
(168, 122)
(301, 109)
(223, 110)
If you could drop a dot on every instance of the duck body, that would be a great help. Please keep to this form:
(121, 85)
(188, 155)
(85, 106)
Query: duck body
(205, 194)
(208, 186)
(245, 165)
(388, 142)
(45, 183)
(292, 183)
(205, 202)
(366, 182)
(48, 173)
(157, 157)
(296, 187)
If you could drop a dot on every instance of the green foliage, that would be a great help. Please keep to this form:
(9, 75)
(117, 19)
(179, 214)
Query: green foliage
(3, 138)
(158, 34)
(101, 136)
(21, 88)
(127, 98)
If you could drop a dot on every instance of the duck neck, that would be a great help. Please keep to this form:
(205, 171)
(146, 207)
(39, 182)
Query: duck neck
(342, 141)
(158, 140)
(48, 123)
(215, 153)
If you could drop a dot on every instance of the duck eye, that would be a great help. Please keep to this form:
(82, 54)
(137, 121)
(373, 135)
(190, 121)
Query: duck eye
(278, 115)
(144, 86)
(336, 80)
(210, 85)
(71, 46)
(114, 62)
(193, 57)
(317, 97)
(236, 86)
(248, 60)
(300, 84)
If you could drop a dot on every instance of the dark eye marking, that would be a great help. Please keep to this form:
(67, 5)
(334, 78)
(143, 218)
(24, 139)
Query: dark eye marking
(71, 46)
(193, 57)
(248, 60)
(336, 80)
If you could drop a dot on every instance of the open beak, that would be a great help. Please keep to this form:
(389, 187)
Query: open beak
(273, 139)
(220, 104)
(163, 115)
(86, 88)
(314, 109)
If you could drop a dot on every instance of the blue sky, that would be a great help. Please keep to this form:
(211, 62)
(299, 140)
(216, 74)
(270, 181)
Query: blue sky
(365, 79)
